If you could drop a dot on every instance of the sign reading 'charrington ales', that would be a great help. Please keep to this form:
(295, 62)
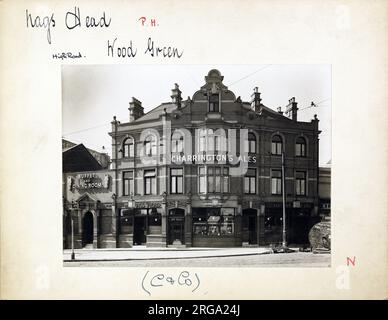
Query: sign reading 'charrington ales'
(92, 181)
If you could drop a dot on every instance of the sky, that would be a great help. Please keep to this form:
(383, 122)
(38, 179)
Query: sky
(93, 94)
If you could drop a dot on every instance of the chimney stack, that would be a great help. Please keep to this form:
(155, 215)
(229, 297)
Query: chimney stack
(280, 110)
(255, 99)
(135, 110)
(176, 96)
(292, 109)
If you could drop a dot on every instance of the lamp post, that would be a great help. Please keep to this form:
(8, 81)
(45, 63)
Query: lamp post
(72, 240)
(284, 242)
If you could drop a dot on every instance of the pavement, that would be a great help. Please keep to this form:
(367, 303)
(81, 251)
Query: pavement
(144, 253)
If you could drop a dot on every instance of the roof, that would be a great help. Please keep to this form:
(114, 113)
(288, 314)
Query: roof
(168, 107)
(270, 111)
(156, 112)
(79, 158)
(69, 148)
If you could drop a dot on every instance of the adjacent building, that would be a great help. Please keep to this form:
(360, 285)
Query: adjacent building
(324, 191)
(204, 171)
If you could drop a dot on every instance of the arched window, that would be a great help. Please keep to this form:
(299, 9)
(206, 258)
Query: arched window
(177, 143)
(277, 145)
(251, 142)
(300, 147)
(150, 146)
(128, 148)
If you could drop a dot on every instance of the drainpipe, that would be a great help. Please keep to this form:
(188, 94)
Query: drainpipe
(284, 243)
(114, 196)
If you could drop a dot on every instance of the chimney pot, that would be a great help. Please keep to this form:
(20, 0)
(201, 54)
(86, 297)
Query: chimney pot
(135, 109)
(255, 99)
(292, 109)
(176, 96)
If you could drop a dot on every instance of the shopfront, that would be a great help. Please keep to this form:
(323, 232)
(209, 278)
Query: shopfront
(214, 227)
(139, 226)
(299, 220)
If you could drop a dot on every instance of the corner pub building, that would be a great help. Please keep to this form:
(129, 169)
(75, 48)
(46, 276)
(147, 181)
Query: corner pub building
(193, 203)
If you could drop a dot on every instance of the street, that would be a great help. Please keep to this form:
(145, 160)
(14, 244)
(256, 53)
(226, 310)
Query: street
(294, 259)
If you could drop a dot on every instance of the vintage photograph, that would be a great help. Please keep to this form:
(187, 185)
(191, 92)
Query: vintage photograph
(196, 165)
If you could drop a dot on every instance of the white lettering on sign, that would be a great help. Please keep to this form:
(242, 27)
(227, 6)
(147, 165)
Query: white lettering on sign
(90, 181)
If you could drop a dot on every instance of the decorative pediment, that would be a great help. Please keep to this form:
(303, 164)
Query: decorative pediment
(214, 82)
(86, 198)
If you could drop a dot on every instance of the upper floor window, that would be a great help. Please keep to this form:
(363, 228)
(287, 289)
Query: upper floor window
(251, 143)
(300, 147)
(276, 181)
(176, 180)
(150, 182)
(177, 143)
(202, 180)
(277, 145)
(300, 183)
(128, 148)
(250, 181)
(213, 179)
(225, 179)
(214, 102)
(128, 185)
(202, 141)
(150, 146)
(212, 140)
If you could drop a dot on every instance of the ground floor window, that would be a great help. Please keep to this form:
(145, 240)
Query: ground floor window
(140, 221)
(214, 222)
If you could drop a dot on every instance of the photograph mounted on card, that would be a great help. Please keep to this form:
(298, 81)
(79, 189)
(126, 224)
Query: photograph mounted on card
(220, 174)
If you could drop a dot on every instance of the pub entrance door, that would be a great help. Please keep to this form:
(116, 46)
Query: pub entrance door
(87, 229)
(176, 226)
(139, 230)
(249, 226)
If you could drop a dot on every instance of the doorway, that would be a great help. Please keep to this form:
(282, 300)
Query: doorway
(139, 231)
(176, 226)
(249, 226)
(87, 229)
